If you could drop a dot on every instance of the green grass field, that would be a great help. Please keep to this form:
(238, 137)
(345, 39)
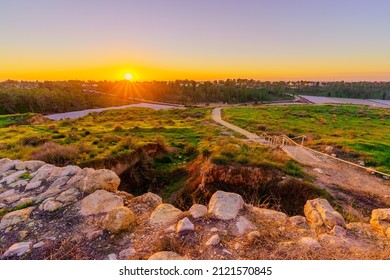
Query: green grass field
(356, 131)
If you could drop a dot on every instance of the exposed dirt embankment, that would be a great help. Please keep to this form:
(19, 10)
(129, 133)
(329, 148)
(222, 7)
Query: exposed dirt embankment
(133, 169)
(257, 185)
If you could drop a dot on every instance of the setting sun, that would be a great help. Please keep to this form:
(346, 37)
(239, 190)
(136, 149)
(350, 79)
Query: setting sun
(128, 76)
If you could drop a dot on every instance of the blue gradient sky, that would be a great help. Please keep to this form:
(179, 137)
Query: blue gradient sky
(169, 39)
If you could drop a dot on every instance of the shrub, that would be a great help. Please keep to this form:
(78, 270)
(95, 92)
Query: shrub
(33, 141)
(54, 153)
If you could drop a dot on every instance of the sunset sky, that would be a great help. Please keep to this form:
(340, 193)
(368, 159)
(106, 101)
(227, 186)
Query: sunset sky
(195, 39)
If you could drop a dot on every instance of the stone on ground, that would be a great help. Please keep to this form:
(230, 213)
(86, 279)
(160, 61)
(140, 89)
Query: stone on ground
(380, 220)
(225, 205)
(167, 255)
(100, 201)
(164, 214)
(319, 213)
(102, 179)
(198, 211)
(213, 240)
(244, 225)
(15, 217)
(117, 219)
(18, 249)
(310, 242)
(268, 215)
(184, 226)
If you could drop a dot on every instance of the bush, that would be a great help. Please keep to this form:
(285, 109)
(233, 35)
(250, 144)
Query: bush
(33, 141)
(54, 153)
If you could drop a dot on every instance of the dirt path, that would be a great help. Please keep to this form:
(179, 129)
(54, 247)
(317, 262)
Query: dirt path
(346, 183)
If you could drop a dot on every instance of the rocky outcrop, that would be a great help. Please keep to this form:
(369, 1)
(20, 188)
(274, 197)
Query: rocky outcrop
(46, 212)
(380, 220)
(320, 213)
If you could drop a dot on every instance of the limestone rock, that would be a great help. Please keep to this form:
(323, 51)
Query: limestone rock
(30, 165)
(7, 164)
(102, 179)
(18, 184)
(10, 196)
(117, 219)
(149, 199)
(33, 185)
(224, 205)
(319, 213)
(100, 201)
(38, 245)
(13, 177)
(213, 240)
(268, 215)
(70, 170)
(244, 225)
(125, 254)
(68, 196)
(299, 221)
(310, 242)
(167, 255)
(15, 217)
(164, 214)
(380, 220)
(338, 232)
(198, 211)
(54, 189)
(112, 257)
(50, 205)
(42, 173)
(329, 240)
(184, 225)
(18, 249)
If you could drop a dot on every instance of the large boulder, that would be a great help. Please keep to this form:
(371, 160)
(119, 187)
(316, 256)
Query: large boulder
(319, 213)
(380, 220)
(167, 255)
(7, 164)
(117, 219)
(164, 214)
(100, 201)
(102, 179)
(225, 205)
(13, 177)
(15, 217)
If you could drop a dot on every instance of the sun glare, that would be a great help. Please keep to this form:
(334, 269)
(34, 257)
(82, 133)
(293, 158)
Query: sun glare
(128, 76)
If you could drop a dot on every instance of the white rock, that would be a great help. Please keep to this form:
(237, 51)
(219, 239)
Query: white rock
(33, 185)
(164, 214)
(30, 165)
(70, 170)
(13, 177)
(15, 217)
(310, 242)
(224, 205)
(18, 249)
(184, 225)
(112, 257)
(244, 225)
(68, 196)
(100, 201)
(50, 205)
(167, 255)
(299, 221)
(338, 232)
(54, 189)
(125, 254)
(198, 211)
(39, 245)
(7, 165)
(213, 240)
(102, 179)
(269, 215)
(18, 184)
(42, 173)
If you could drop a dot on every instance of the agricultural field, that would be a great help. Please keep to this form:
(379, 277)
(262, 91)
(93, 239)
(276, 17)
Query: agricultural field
(355, 132)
